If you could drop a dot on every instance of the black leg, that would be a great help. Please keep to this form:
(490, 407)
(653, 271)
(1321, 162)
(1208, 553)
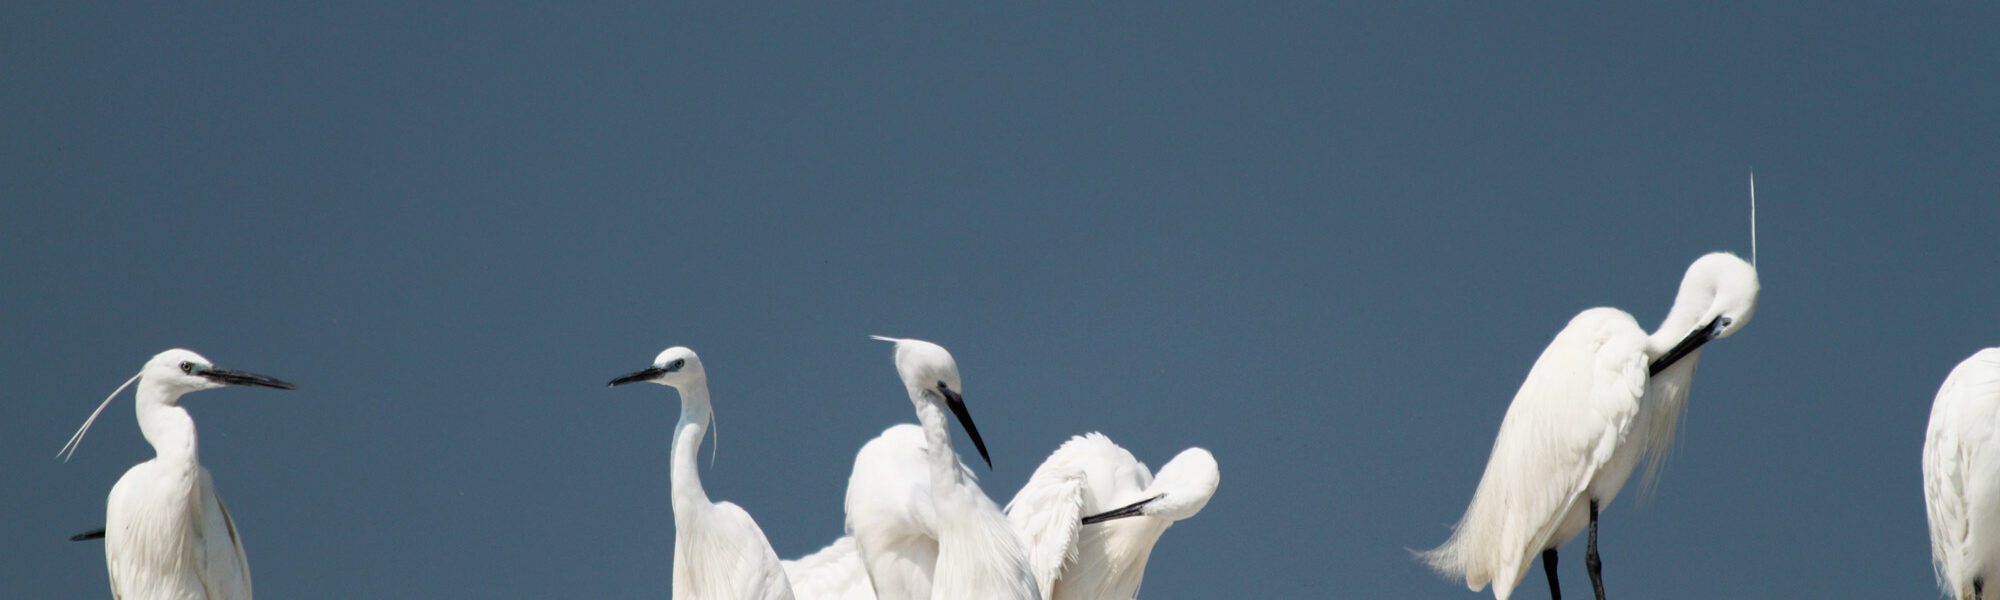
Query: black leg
(1977, 592)
(1590, 558)
(1549, 564)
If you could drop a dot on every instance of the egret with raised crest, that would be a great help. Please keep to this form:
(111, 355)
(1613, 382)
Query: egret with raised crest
(924, 527)
(166, 533)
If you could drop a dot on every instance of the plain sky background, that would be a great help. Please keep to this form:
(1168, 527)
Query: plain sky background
(1324, 242)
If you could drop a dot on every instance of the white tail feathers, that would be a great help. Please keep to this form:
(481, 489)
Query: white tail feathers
(76, 440)
(1452, 560)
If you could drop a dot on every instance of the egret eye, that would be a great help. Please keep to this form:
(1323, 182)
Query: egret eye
(187, 367)
(943, 388)
(678, 363)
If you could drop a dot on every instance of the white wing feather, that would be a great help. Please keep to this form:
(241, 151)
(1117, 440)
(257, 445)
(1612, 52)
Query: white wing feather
(724, 554)
(836, 572)
(225, 573)
(1570, 414)
(1087, 474)
(1962, 475)
(891, 515)
(1047, 512)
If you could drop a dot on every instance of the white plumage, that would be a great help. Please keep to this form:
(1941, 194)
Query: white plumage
(1602, 395)
(1089, 477)
(1962, 476)
(889, 503)
(719, 552)
(923, 526)
(166, 533)
(892, 532)
(836, 572)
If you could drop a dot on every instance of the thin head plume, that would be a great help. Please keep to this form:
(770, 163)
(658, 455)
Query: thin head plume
(1753, 217)
(884, 338)
(76, 439)
(714, 440)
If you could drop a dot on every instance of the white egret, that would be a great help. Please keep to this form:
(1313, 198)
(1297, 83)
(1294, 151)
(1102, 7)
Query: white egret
(924, 527)
(1092, 512)
(1601, 396)
(166, 533)
(719, 552)
(1962, 476)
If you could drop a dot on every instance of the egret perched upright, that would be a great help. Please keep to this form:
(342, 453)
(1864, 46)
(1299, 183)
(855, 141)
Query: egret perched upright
(719, 552)
(166, 533)
(1091, 514)
(924, 528)
(1962, 477)
(1601, 396)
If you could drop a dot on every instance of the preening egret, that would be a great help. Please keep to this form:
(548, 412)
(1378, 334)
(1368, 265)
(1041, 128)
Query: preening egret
(166, 533)
(962, 547)
(1962, 476)
(1601, 396)
(719, 552)
(1091, 514)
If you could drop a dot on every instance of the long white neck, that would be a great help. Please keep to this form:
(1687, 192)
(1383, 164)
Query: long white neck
(1694, 298)
(166, 426)
(686, 477)
(937, 451)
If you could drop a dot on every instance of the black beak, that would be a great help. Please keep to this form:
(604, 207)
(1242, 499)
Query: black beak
(646, 374)
(233, 377)
(1688, 345)
(957, 404)
(1129, 510)
(96, 534)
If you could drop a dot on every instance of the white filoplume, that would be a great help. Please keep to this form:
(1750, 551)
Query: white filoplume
(719, 552)
(166, 533)
(1962, 476)
(923, 526)
(1603, 395)
(1092, 512)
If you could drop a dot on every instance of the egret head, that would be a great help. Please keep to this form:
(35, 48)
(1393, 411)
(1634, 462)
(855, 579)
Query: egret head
(1730, 286)
(931, 375)
(181, 371)
(1181, 489)
(171, 374)
(1717, 297)
(675, 367)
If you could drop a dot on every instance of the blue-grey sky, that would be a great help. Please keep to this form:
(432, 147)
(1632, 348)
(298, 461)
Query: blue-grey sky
(1325, 242)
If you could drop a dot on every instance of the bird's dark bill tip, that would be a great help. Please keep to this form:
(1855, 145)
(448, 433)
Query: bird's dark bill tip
(646, 374)
(1129, 510)
(234, 377)
(95, 534)
(957, 405)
